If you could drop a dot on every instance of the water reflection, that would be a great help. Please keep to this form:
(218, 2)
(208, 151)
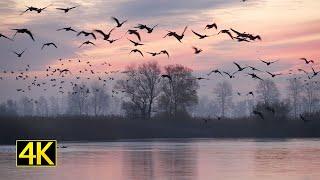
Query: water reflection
(205, 159)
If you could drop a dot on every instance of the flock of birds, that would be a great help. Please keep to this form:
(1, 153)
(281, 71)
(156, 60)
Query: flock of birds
(56, 75)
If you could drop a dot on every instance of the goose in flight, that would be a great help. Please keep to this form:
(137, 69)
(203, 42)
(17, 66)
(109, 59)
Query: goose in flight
(226, 31)
(22, 31)
(29, 8)
(67, 29)
(66, 10)
(254, 76)
(136, 51)
(239, 67)
(230, 75)
(105, 36)
(210, 26)
(87, 43)
(164, 52)
(200, 35)
(196, 50)
(135, 43)
(39, 10)
(87, 34)
(273, 75)
(49, 44)
(215, 71)
(19, 54)
(166, 76)
(315, 73)
(307, 61)
(119, 24)
(135, 32)
(268, 63)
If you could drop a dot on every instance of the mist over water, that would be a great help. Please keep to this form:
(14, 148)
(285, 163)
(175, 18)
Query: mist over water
(282, 159)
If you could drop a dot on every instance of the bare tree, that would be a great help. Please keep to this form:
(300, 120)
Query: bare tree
(268, 92)
(311, 93)
(54, 106)
(42, 106)
(179, 91)
(27, 106)
(77, 99)
(99, 99)
(223, 92)
(140, 88)
(295, 88)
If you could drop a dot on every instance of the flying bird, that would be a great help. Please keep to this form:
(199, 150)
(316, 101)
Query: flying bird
(67, 29)
(66, 10)
(119, 24)
(239, 67)
(23, 31)
(105, 36)
(135, 43)
(164, 52)
(268, 63)
(200, 35)
(48, 44)
(135, 32)
(225, 31)
(254, 76)
(87, 34)
(19, 54)
(273, 75)
(197, 50)
(307, 61)
(166, 76)
(87, 43)
(210, 26)
(136, 51)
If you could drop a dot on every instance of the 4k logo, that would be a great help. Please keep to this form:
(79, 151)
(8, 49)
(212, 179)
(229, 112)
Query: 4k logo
(36, 152)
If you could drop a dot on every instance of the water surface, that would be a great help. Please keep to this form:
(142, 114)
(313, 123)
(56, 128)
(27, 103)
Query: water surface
(294, 159)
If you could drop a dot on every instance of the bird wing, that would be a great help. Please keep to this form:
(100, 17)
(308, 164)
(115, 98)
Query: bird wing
(100, 31)
(116, 20)
(93, 35)
(196, 33)
(238, 33)
(30, 34)
(137, 34)
(63, 9)
(239, 67)
(53, 44)
(184, 30)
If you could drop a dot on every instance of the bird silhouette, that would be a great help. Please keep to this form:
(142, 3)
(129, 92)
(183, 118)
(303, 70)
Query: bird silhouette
(164, 52)
(174, 34)
(87, 43)
(1, 35)
(215, 71)
(307, 61)
(39, 10)
(150, 30)
(229, 74)
(268, 63)
(197, 50)
(87, 34)
(67, 29)
(315, 73)
(210, 26)
(48, 44)
(105, 36)
(135, 32)
(113, 40)
(226, 31)
(166, 76)
(64, 71)
(136, 51)
(254, 76)
(273, 75)
(19, 54)
(119, 24)
(23, 31)
(239, 67)
(66, 10)
(135, 43)
(29, 8)
(199, 35)
(153, 53)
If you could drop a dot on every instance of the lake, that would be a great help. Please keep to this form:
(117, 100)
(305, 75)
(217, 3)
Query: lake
(292, 159)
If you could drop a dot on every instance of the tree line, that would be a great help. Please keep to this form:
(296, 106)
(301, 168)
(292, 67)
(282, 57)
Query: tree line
(147, 90)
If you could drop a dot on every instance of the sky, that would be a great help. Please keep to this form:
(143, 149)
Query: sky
(290, 29)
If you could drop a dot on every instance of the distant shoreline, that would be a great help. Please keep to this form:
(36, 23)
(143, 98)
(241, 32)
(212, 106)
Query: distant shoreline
(107, 129)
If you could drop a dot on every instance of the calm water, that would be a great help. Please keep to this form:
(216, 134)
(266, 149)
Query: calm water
(176, 159)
